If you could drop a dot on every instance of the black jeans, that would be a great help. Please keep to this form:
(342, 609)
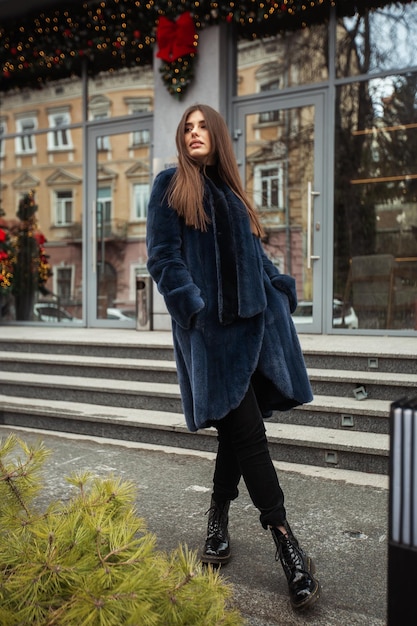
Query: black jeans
(243, 451)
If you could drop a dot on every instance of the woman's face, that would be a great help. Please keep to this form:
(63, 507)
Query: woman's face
(197, 139)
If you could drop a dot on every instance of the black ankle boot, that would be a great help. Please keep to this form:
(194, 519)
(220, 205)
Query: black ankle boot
(217, 546)
(298, 568)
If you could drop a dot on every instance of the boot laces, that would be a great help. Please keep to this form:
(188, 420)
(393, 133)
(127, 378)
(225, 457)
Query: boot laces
(216, 522)
(290, 555)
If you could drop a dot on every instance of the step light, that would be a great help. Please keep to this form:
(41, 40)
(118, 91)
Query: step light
(373, 363)
(331, 458)
(347, 421)
(360, 393)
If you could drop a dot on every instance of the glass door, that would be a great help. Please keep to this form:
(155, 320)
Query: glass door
(280, 148)
(119, 183)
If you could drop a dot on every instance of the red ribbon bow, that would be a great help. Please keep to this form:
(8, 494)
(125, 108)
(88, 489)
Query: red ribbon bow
(175, 39)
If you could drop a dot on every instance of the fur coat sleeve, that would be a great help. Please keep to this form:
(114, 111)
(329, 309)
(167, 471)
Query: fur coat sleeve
(216, 362)
(166, 263)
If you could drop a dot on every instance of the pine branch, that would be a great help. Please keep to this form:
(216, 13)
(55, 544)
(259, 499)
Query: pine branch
(21, 477)
(8, 479)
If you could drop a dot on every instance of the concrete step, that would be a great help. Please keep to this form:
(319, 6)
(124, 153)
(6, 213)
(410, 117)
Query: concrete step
(161, 351)
(339, 412)
(360, 353)
(339, 383)
(335, 352)
(118, 368)
(152, 391)
(370, 415)
(354, 361)
(377, 385)
(115, 393)
(323, 447)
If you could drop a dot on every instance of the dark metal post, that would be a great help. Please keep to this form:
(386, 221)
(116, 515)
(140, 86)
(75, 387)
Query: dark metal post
(402, 545)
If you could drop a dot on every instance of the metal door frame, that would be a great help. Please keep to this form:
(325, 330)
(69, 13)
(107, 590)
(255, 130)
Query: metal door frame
(94, 130)
(320, 241)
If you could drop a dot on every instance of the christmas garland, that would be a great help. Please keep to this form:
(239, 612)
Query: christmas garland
(110, 34)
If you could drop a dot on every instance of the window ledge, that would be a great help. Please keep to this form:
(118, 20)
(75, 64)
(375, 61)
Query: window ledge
(61, 150)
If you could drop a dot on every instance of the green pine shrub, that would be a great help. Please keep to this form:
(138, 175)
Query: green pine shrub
(90, 561)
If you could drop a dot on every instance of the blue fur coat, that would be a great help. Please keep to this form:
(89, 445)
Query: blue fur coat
(217, 360)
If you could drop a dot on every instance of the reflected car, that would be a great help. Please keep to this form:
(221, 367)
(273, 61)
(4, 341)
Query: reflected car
(344, 315)
(121, 314)
(51, 312)
(303, 314)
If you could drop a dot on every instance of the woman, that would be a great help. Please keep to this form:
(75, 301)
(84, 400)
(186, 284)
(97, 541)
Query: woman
(237, 352)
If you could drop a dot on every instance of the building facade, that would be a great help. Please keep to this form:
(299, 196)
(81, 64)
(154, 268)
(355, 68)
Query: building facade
(324, 122)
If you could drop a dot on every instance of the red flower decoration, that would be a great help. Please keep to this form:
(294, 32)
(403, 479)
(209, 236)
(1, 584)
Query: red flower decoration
(40, 238)
(2, 235)
(175, 39)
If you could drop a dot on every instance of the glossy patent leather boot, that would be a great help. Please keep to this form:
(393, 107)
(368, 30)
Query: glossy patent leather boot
(298, 568)
(216, 549)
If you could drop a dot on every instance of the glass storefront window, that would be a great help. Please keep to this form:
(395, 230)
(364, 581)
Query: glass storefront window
(380, 40)
(42, 157)
(42, 200)
(287, 60)
(375, 263)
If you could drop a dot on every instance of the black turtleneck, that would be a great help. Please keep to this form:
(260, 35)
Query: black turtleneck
(225, 242)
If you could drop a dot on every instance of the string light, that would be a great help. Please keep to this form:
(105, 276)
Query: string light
(110, 33)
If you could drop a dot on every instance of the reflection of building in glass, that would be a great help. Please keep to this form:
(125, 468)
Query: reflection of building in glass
(281, 62)
(48, 156)
(280, 142)
(376, 182)
(279, 164)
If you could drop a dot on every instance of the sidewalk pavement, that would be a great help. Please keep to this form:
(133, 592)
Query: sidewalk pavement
(340, 517)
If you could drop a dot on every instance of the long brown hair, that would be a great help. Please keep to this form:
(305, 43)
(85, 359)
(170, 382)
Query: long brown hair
(186, 191)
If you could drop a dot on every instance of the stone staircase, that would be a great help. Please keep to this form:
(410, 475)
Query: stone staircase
(122, 385)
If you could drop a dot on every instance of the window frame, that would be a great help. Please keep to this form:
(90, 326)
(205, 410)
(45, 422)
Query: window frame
(3, 131)
(59, 131)
(258, 186)
(25, 142)
(107, 201)
(71, 282)
(141, 198)
(58, 207)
